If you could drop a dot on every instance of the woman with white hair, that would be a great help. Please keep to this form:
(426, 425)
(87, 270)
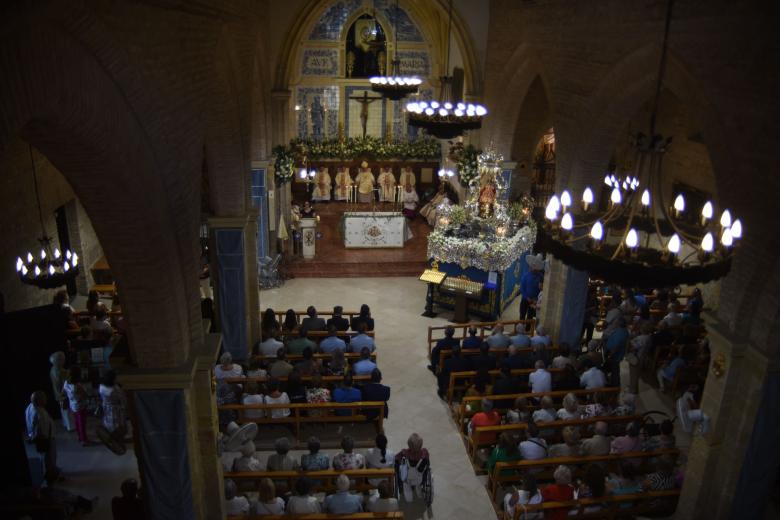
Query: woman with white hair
(226, 368)
(561, 491)
(343, 502)
(247, 461)
(571, 408)
(281, 461)
(570, 447)
(411, 465)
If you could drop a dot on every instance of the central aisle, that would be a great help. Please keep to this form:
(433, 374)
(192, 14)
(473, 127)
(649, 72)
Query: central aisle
(396, 305)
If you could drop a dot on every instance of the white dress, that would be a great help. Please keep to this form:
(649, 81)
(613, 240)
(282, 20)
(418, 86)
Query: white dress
(298, 505)
(274, 508)
(253, 399)
(374, 461)
(278, 413)
(322, 185)
(235, 371)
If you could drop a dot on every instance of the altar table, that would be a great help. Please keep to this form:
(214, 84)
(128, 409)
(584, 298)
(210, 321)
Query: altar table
(375, 229)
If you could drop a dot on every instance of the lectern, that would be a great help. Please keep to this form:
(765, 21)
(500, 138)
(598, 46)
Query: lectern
(308, 228)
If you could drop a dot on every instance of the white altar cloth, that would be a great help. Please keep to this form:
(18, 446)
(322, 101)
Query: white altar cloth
(375, 229)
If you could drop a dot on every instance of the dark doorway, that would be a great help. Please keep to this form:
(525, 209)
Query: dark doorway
(63, 237)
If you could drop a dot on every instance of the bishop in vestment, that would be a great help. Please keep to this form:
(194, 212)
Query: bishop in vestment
(343, 182)
(322, 187)
(365, 181)
(386, 185)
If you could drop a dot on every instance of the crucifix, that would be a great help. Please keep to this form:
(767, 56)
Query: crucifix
(364, 100)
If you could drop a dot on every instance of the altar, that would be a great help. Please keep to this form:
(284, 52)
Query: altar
(374, 229)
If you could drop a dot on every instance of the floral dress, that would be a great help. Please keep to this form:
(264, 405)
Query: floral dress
(114, 416)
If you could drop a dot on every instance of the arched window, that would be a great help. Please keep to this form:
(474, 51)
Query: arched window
(366, 50)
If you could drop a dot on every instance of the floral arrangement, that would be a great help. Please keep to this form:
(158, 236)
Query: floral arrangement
(284, 164)
(465, 159)
(457, 215)
(425, 148)
(494, 254)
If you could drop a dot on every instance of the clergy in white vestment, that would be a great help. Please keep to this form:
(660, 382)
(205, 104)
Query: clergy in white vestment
(386, 182)
(322, 185)
(343, 182)
(407, 177)
(365, 182)
(410, 200)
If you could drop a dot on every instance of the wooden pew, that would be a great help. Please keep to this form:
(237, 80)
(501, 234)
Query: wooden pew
(506, 473)
(280, 315)
(350, 357)
(462, 413)
(330, 381)
(474, 441)
(319, 335)
(499, 353)
(484, 329)
(297, 417)
(612, 506)
(324, 480)
(323, 516)
(460, 380)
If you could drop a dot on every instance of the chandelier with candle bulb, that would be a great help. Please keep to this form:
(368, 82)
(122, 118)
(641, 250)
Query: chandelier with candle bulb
(445, 118)
(636, 238)
(395, 86)
(50, 268)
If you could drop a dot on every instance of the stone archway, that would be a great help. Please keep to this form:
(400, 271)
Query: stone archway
(69, 107)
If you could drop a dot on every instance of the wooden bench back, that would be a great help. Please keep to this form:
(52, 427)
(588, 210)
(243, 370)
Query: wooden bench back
(461, 380)
(477, 438)
(612, 506)
(330, 381)
(508, 472)
(322, 334)
(350, 357)
(484, 328)
(324, 480)
(499, 353)
(323, 516)
(462, 412)
(323, 414)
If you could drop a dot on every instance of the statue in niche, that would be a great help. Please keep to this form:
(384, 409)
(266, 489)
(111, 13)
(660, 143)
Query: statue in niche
(365, 48)
(317, 118)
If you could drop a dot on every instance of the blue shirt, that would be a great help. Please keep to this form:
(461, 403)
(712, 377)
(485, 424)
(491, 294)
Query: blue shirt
(361, 340)
(363, 367)
(498, 341)
(331, 344)
(343, 503)
(529, 284)
(541, 340)
(346, 395)
(616, 344)
(521, 340)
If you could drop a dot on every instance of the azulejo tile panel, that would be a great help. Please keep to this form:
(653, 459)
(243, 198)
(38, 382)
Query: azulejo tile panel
(332, 22)
(330, 26)
(414, 62)
(317, 110)
(320, 62)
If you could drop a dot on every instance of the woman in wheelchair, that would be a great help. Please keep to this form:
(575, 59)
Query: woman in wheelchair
(413, 471)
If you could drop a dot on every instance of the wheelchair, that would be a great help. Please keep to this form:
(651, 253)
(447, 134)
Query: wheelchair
(268, 272)
(420, 481)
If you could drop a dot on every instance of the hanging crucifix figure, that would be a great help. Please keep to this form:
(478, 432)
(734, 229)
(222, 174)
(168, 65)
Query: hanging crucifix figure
(364, 101)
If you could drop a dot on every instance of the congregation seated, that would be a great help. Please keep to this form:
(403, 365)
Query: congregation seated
(303, 502)
(363, 317)
(312, 322)
(346, 393)
(269, 346)
(269, 325)
(281, 367)
(383, 501)
(362, 340)
(267, 501)
(226, 368)
(290, 323)
(281, 460)
(485, 360)
(380, 457)
(456, 363)
(520, 339)
(332, 342)
(528, 494)
(515, 359)
(497, 339)
(541, 337)
(540, 380)
(472, 341)
(337, 321)
(343, 502)
(592, 377)
(365, 366)
(347, 459)
(375, 391)
(298, 345)
(599, 443)
(446, 343)
(235, 504)
(308, 366)
(314, 460)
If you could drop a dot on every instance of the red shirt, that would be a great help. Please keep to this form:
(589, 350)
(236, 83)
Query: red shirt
(557, 493)
(486, 419)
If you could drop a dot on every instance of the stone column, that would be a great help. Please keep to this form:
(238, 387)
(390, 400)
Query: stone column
(721, 473)
(236, 284)
(282, 132)
(173, 413)
(563, 302)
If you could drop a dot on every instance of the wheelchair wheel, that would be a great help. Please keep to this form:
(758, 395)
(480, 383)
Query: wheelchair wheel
(427, 487)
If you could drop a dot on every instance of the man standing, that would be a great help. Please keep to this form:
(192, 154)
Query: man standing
(530, 285)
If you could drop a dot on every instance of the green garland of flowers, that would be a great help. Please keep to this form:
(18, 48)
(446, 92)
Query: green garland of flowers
(425, 148)
(284, 164)
(465, 159)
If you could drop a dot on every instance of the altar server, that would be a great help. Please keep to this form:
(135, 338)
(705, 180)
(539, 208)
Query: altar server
(343, 182)
(407, 177)
(322, 187)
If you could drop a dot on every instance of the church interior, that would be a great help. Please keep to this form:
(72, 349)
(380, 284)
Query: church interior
(457, 259)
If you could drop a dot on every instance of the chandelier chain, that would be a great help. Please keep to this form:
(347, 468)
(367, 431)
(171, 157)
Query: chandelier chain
(37, 195)
(661, 67)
